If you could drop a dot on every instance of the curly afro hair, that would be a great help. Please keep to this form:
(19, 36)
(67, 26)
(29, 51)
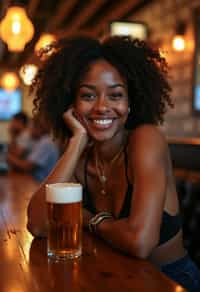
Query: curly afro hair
(144, 70)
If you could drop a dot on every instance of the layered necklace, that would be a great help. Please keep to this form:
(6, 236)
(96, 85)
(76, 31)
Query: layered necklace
(101, 173)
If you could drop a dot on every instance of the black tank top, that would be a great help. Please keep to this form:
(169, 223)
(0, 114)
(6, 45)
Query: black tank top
(170, 225)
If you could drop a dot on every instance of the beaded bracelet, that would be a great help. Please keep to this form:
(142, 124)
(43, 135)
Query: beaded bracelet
(97, 219)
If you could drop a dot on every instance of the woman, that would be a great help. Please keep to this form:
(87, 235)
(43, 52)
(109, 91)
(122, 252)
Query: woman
(110, 97)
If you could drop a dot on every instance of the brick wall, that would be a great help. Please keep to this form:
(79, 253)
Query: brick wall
(161, 17)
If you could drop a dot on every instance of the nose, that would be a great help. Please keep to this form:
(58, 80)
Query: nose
(101, 104)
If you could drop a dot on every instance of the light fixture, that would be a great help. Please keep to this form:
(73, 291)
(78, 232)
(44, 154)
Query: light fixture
(27, 73)
(178, 41)
(16, 29)
(134, 29)
(163, 53)
(9, 81)
(44, 41)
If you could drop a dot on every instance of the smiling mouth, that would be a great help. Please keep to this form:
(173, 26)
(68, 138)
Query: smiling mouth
(102, 123)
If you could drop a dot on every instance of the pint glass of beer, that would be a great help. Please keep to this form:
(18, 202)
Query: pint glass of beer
(64, 209)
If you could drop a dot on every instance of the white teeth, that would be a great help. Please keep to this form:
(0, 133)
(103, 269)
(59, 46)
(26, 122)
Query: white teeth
(103, 122)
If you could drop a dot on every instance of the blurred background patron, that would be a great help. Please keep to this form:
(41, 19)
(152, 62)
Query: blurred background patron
(41, 157)
(21, 141)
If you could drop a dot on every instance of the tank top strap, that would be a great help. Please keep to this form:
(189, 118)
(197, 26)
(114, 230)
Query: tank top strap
(125, 210)
(126, 163)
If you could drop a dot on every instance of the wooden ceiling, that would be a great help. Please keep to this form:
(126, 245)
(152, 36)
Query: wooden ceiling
(66, 17)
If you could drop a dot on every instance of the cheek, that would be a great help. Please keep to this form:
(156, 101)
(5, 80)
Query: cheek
(82, 108)
(78, 107)
(123, 109)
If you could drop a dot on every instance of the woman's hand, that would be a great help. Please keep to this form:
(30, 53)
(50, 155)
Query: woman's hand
(76, 125)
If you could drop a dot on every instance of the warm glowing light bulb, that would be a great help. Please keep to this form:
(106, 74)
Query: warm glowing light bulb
(16, 27)
(9, 81)
(178, 43)
(178, 288)
(28, 73)
(163, 53)
(44, 41)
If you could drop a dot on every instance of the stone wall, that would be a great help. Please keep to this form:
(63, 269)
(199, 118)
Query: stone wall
(161, 17)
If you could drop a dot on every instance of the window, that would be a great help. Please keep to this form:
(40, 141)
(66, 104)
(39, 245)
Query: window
(10, 103)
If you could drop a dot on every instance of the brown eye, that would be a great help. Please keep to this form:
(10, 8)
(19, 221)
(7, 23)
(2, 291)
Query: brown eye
(87, 96)
(116, 96)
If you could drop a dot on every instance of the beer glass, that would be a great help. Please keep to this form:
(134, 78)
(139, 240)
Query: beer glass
(64, 209)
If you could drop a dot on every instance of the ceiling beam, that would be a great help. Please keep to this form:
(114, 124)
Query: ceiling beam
(85, 14)
(118, 11)
(114, 14)
(63, 11)
(32, 7)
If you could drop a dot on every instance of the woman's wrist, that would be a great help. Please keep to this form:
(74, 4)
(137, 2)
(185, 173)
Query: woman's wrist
(80, 139)
(97, 219)
(75, 146)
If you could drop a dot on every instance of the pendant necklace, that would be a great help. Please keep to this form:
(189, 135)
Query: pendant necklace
(102, 176)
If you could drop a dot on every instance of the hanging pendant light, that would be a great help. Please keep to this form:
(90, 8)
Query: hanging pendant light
(44, 43)
(27, 73)
(16, 29)
(9, 81)
(45, 40)
(178, 41)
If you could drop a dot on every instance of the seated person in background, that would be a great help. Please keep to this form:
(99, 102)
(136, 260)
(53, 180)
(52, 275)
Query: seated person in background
(111, 96)
(20, 138)
(43, 155)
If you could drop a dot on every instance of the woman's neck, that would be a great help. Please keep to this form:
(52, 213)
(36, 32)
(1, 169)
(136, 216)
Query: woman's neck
(106, 150)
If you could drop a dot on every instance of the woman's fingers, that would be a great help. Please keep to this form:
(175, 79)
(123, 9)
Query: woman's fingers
(73, 121)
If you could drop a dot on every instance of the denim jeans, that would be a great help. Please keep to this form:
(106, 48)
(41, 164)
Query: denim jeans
(185, 272)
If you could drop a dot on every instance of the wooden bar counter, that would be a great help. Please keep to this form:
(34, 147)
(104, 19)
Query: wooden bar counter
(24, 266)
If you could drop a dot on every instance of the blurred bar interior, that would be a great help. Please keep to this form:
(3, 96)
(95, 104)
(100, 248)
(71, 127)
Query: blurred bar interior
(159, 22)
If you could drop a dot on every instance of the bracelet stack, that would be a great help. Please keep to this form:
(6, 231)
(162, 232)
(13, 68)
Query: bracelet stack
(97, 219)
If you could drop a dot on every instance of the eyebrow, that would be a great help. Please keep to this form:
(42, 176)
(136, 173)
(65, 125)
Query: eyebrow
(94, 87)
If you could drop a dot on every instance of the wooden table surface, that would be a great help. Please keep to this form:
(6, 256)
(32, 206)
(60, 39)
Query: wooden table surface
(24, 265)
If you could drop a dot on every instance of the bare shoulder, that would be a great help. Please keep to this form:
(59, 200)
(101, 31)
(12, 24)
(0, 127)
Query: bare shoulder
(147, 135)
(147, 141)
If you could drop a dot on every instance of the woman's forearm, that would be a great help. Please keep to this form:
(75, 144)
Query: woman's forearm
(63, 172)
(122, 235)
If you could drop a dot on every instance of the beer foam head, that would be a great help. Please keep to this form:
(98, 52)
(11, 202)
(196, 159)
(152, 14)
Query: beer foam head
(63, 193)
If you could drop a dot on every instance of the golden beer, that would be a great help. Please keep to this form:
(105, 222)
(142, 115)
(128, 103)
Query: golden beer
(64, 209)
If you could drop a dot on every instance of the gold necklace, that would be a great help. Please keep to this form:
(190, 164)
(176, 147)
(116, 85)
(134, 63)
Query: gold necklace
(101, 171)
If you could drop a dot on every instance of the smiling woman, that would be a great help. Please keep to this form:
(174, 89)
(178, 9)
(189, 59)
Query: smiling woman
(102, 101)
(107, 100)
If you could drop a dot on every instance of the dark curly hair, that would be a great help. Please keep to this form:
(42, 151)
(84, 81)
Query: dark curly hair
(142, 67)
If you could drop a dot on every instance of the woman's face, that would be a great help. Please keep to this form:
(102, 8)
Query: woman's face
(102, 101)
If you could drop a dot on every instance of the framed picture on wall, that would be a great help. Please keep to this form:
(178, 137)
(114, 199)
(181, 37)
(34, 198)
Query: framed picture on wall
(10, 103)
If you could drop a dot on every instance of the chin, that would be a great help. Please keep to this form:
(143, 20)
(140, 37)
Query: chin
(100, 137)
